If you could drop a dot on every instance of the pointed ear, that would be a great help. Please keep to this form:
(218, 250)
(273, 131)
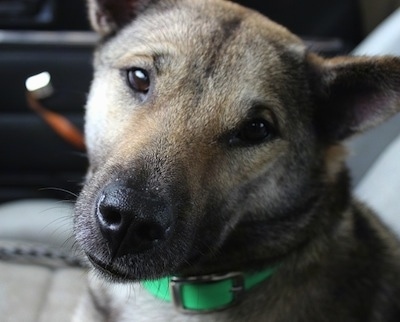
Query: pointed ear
(107, 16)
(354, 94)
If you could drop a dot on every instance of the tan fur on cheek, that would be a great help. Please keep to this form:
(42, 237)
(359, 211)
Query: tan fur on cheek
(99, 111)
(113, 127)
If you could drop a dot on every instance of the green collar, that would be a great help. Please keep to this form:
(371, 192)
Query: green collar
(208, 293)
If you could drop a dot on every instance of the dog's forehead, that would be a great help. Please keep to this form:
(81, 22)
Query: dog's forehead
(199, 28)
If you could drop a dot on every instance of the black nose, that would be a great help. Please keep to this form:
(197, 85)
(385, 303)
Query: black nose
(132, 221)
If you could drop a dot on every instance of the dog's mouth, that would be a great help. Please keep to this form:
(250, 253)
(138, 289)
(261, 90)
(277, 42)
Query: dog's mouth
(117, 273)
(155, 263)
(131, 268)
(107, 270)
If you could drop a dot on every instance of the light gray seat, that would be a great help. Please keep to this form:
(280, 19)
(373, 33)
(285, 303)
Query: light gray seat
(40, 280)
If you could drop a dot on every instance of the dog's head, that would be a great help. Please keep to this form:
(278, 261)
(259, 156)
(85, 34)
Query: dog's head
(214, 137)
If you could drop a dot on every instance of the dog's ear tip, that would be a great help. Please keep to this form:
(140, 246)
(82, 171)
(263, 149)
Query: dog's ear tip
(99, 20)
(100, 23)
(107, 16)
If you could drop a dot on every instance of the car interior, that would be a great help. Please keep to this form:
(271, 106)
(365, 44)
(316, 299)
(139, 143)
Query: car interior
(42, 167)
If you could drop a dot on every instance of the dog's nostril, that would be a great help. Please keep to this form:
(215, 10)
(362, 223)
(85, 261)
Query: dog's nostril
(109, 216)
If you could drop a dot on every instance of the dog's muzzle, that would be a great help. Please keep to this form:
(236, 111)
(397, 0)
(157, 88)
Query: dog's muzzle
(131, 220)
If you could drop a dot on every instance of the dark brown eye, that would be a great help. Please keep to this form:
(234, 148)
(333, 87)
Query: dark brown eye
(253, 132)
(139, 80)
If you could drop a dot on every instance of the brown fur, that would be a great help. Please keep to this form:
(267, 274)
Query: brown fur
(235, 205)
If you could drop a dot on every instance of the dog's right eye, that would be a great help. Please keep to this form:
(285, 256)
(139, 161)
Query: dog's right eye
(138, 79)
(252, 132)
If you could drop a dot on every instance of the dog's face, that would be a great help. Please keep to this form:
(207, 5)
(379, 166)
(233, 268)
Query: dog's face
(212, 133)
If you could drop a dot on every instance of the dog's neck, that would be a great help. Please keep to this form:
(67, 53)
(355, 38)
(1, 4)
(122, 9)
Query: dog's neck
(206, 293)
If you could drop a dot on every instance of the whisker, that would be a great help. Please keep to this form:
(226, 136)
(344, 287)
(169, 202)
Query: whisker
(59, 189)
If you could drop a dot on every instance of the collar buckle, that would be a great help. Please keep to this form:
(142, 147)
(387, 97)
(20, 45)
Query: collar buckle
(230, 295)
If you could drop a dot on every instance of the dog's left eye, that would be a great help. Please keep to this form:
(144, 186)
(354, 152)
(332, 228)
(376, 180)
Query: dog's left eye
(252, 132)
(138, 79)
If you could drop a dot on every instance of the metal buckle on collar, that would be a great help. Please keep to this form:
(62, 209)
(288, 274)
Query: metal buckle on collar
(236, 290)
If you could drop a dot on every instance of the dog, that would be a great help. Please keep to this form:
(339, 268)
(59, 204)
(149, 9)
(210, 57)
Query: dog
(217, 187)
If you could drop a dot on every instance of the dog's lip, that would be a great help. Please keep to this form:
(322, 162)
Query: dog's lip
(104, 268)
